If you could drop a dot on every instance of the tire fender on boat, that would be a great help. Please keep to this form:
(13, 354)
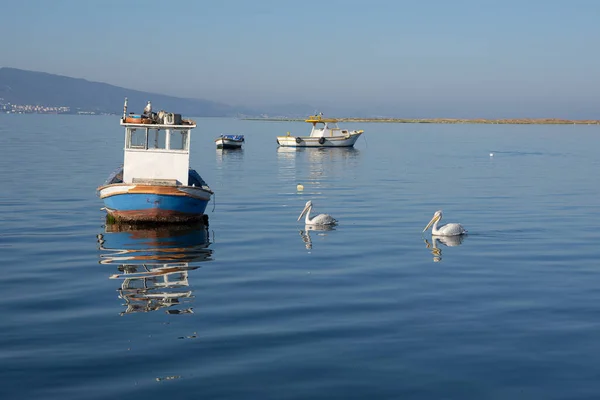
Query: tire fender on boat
(298, 140)
(321, 140)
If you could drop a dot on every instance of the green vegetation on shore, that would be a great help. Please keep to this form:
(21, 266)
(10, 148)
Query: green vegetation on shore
(530, 121)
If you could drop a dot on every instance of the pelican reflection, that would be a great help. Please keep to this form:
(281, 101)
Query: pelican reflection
(305, 234)
(448, 241)
(153, 264)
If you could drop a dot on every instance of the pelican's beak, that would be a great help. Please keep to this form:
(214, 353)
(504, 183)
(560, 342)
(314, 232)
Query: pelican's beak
(302, 213)
(435, 218)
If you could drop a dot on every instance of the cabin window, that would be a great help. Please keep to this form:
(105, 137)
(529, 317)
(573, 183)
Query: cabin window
(156, 139)
(137, 139)
(178, 140)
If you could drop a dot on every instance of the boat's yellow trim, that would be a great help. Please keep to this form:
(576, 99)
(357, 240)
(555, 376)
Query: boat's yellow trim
(313, 119)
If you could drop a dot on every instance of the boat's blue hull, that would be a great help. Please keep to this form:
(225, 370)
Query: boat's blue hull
(144, 204)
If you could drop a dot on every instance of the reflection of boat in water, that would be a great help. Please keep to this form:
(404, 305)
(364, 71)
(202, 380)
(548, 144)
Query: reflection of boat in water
(330, 162)
(320, 154)
(140, 244)
(305, 234)
(151, 287)
(154, 263)
(448, 241)
(229, 158)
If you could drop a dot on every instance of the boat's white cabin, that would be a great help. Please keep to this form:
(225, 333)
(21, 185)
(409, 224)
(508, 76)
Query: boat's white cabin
(327, 129)
(156, 152)
(322, 127)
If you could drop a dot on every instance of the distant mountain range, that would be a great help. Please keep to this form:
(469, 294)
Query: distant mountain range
(23, 87)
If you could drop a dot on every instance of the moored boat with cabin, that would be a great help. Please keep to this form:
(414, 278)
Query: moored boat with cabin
(325, 132)
(155, 183)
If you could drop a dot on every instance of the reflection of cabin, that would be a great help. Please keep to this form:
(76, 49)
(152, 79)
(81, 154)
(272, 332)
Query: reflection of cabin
(154, 288)
(153, 263)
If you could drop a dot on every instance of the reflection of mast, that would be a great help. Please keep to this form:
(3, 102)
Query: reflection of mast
(157, 264)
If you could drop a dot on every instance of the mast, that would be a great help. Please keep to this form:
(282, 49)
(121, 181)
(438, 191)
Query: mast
(125, 109)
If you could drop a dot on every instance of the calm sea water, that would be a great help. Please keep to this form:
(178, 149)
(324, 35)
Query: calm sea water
(257, 307)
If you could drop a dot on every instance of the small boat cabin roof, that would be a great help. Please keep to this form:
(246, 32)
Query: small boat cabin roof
(315, 119)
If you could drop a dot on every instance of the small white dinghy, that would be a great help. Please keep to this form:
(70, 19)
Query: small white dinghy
(229, 141)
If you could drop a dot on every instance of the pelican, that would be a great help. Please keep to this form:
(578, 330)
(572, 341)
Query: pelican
(444, 230)
(321, 219)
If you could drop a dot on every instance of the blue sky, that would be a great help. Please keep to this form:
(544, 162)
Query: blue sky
(528, 58)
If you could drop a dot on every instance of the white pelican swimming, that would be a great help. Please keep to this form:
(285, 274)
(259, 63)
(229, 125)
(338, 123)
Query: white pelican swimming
(444, 230)
(321, 219)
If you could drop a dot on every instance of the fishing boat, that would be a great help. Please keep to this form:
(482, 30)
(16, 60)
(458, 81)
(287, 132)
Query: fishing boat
(155, 183)
(229, 141)
(325, 132)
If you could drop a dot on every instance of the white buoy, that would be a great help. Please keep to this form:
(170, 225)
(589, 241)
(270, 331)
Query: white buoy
(491, 154)
(300, 187)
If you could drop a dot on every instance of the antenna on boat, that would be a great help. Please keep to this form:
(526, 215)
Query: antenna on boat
(125, 109)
